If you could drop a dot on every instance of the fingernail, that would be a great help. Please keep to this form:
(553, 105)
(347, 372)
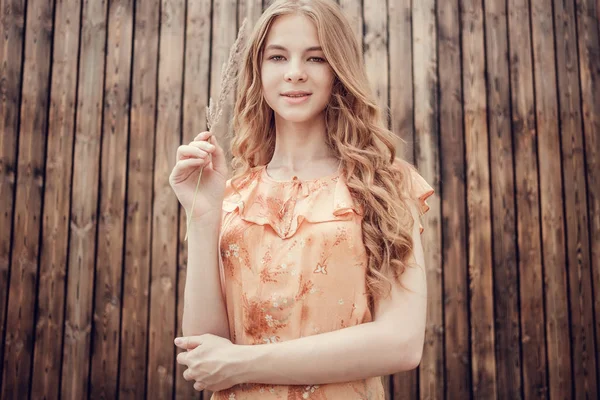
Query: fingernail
(178, 341)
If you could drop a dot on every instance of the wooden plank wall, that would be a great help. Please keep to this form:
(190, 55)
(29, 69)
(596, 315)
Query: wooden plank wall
(497, 101)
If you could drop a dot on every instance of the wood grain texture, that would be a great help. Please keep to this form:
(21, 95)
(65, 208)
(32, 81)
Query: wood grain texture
(575, 202)
(551, 208)
(453, 204)
(21, 313)
(375, 47)
(506, 274)
(84, 202)
(588, 38)
(478, 202)
(425, 76)
(106, 328)
(195, 100)
(163, 281)
(138, 231)
(57, 195)
(533, 344)
(12, 24)
(401, 76)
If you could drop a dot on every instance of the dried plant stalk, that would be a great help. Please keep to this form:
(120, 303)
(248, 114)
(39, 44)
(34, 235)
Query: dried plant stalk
(214, 111)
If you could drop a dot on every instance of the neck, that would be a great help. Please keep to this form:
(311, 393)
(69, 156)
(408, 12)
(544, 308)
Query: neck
(298, 144)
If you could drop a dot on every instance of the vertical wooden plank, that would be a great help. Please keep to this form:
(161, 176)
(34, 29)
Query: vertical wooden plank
(161, 350)
(84, 202)
(138, 229)
(551, 189)
(504, 229)
(401, 76)
(250, 9)
(195, 100)
(533, 343)
(405, 384)
(223, 36)
(267, 3)
(375, 45)
(20, 317)
(55, 223)
(109, 261)
(588, 33)
(12, 16)
(478, 202)
(353, 10)
(375, 50)
(454, 213)
(578, 246)
(431, 371)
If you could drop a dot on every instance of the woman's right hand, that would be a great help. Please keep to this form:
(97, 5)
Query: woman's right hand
(203, 152)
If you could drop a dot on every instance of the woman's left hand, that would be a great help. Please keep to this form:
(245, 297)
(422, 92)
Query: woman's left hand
(213, 362)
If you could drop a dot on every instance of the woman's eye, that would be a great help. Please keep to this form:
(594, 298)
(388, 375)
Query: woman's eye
(276, 58)
(317, 59)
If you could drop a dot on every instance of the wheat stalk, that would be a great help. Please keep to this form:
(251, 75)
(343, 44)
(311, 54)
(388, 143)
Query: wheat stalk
(229, 73)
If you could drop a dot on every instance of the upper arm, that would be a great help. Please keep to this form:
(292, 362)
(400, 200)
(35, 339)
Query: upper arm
(404, 310)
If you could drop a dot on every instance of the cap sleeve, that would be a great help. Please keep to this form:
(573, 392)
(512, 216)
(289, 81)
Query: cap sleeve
(420, 191)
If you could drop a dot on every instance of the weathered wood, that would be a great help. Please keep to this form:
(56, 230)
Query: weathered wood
(478, 202)
(84, 202)
(113, 178)
(195, 100)
(12, 15)
(401, 77)
(506, 288)
(426, 141)
(588, 32)
(20, 317)
(250, 9)
(138, 230)
(161, 349)
(454, 213)
(533, 344)
(375, 47)
(552, 216)
(223, 36)
(353, 10)
(573, 167)
(55, 223)
(405, 384)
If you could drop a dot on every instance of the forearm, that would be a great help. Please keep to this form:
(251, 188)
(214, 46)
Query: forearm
(204, 307)
(344, 355)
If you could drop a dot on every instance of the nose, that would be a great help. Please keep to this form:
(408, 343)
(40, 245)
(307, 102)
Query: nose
(295, 72)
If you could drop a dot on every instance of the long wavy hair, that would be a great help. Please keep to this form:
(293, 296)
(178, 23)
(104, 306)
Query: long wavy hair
(356, 133)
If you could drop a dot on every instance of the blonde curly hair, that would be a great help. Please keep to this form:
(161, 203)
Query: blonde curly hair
(357, 134)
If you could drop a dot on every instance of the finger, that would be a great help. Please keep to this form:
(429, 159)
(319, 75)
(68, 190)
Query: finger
(191, 163)
(189, 151)
(203, 145)
(187, 375)
(188, 342)
(182, 358)
(199, 386)
(219, 160)
(203, 135)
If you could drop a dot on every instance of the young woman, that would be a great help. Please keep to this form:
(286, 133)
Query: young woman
(305, 274)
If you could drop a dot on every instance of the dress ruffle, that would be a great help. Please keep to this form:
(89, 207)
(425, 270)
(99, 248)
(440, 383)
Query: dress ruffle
(285, 206)
(420, 191)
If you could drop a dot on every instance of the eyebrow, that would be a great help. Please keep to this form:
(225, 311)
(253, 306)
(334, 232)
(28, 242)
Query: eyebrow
(279, 47)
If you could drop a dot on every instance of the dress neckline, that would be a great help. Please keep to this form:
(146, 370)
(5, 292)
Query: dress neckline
(265, 175)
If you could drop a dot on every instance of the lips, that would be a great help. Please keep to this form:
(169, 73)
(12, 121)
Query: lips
(296, 93)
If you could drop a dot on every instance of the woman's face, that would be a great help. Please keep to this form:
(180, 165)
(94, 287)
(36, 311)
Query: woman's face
(296, 78)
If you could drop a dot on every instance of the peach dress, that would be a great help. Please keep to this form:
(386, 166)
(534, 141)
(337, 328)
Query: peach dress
(293, 264)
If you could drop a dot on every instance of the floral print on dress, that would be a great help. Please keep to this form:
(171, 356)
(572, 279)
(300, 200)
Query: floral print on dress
(293, 264)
